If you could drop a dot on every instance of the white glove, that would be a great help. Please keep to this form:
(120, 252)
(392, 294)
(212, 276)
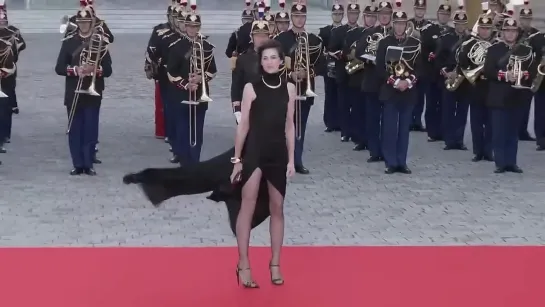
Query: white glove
(238, 116)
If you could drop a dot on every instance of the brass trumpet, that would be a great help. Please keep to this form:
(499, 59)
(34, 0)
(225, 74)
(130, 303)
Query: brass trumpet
(197, 67)
(515, 67)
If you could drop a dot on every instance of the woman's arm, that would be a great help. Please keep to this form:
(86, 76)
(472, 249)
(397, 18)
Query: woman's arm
(290, 126)
(248, 96)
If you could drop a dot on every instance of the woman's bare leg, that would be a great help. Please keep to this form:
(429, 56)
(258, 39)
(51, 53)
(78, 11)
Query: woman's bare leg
(276, 229)
(244, 223)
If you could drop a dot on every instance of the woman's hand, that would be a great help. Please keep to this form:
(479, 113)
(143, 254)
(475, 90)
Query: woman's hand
(235, 175)
(290, 171)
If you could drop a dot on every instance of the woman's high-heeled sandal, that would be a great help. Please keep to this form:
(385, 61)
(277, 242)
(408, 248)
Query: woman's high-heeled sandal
(275, 281)
(246, 284)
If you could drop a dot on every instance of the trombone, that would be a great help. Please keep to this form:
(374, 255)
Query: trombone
(302, 63)
(197, 66)
(89, 56)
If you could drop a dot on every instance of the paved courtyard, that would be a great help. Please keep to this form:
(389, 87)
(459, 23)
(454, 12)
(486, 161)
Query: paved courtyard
(345, 201)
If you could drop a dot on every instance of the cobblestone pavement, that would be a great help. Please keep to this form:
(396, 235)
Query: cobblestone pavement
(345, 201)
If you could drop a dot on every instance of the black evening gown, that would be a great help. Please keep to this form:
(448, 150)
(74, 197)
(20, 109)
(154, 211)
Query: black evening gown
(265, 148)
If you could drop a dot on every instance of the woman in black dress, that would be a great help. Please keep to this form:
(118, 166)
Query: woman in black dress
(264, 149)
(259, 165)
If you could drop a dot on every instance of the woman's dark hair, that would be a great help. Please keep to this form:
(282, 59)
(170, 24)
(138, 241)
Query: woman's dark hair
(271, 44)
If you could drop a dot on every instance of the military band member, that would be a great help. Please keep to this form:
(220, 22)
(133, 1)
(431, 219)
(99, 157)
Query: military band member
(510, 69)
(302, 73)
(282, 18)
(12, 43)
(538, 87)
(352, 112)
(98, 21)
(431, 36)
(399, 64)
(418, 22)
(236, 46)
(498, 11)
(335, 48)
(247, 65)
(77, 63)
(189, 62)
(355, 77)
(471, 59)
(528, 35)
(456, 93)
(269, 17)
(366, 48)
(162, 36)
(331, 106)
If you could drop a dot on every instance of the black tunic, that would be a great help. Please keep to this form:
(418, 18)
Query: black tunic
(69, 56)
(265, 148)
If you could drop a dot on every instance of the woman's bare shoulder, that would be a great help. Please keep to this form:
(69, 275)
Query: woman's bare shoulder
(249, 89)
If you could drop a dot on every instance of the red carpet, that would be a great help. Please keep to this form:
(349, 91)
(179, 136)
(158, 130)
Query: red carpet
(315, 277)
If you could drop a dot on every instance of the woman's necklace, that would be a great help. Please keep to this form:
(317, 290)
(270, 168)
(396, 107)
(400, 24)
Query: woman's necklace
(270, 86)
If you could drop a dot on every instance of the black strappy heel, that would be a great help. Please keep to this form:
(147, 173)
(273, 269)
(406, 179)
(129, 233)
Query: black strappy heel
(275, 281)
(246, 284)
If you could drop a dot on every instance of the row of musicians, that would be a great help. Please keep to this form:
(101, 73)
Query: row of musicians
(444, 51)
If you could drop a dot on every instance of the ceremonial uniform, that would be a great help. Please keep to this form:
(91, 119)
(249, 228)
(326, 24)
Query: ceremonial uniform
(282, 18)
(289, 40)
(431, 36)
(366, 48)
(11, 44)
(83, 108)
(239, 41)
(331, 107)
(336, 44)
(159, 52)
(470, 58)
(539, 97)
(98, 21)
(529, 36)
(398, 61)
(456, 93)
(247, 66)
(153, 67)
(419, 24)
(352, 112)
(187, 105)
(503, 95)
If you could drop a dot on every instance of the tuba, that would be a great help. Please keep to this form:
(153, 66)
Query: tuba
(197, 67)
(91, 55)
(7, 61)
(476, 56)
